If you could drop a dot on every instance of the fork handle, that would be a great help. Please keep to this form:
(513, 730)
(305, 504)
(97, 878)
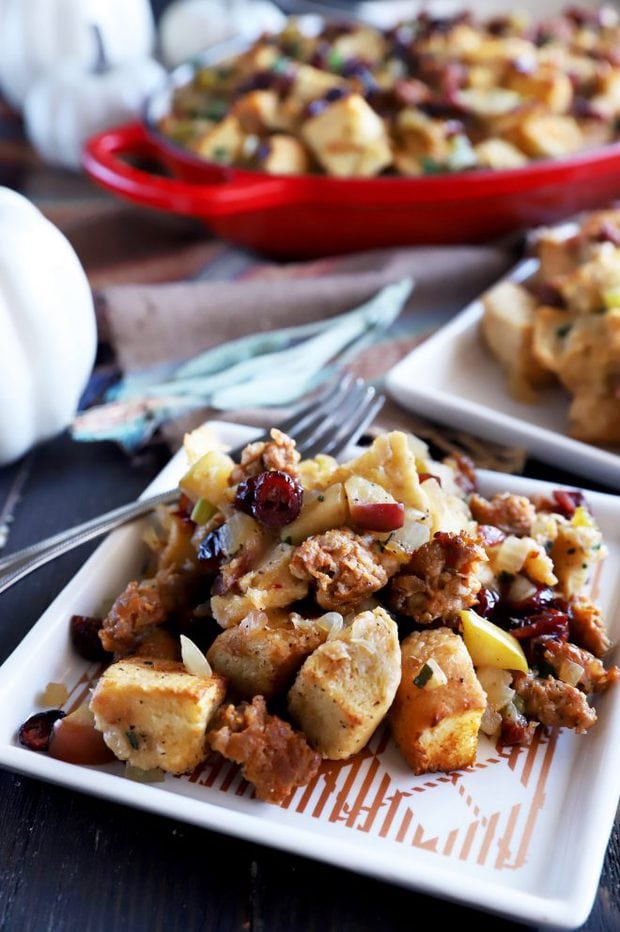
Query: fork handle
(23, 562)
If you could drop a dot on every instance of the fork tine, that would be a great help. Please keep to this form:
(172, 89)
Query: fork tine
(328, 419)
(297, 421)
(349, 432)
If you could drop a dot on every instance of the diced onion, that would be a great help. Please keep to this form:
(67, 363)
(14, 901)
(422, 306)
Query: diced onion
(570, 672)
(496, 684)
(512, 554)
(254, 620)
(490, 722)
(193, 658)
(332, 622)
(521, 589)
(438, 677)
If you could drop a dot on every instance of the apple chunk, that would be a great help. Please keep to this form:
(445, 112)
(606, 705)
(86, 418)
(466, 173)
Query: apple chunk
(76, 740)
(371, 507)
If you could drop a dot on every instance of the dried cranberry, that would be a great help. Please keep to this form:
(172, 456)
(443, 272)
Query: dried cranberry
(566, 503)
(277, 498)
(211, 550)
(84, 632)
(314, 108)
(487, 602)
(550, 623)
(544, 598)
(584, 109)
(36, 732)
(499, 26)
(335, 93)
(244, 498)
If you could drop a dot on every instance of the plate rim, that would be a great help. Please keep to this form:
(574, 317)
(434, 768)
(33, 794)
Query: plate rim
(432, 877)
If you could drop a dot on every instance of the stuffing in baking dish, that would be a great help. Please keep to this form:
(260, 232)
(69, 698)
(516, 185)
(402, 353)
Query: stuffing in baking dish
(332, 597)
(429, 96)
(564, 325)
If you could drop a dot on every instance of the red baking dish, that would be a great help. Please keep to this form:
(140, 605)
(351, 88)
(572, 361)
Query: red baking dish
(297, 216)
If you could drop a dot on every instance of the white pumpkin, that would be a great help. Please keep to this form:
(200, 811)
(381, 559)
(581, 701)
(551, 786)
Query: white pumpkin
(48, 336)
(38, 34)
(187, 27)
(68, 104)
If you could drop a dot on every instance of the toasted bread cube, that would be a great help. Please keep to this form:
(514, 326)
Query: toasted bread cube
(347, 685)
(390, 462)
(547, 135)
(154, 714)
(435, 724)
(557, 254)
(269, 585)
(257, 111)
(223, 143)
(507, 327)
(497, 153)
(261, 655)
(362, 42)
(551, 327)
(349, 139)
(545, 83)
(422, 137)
(285, 156)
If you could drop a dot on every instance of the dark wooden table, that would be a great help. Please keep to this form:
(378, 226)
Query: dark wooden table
(68, 861)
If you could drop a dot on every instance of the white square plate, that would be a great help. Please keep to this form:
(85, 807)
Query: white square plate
(523, 832)
(452, 378)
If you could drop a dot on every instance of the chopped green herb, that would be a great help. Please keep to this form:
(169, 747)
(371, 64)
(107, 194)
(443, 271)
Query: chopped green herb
(563, 331)
(334, 60)
(220, 154)
(215, 109)
(423, 676)
(202, 511)
(548, 546)
(288, 540)
(320, 498)
(280, 65)
(133, 739)
(431, 167)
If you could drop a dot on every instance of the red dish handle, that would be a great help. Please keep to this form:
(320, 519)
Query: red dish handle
(102, 161)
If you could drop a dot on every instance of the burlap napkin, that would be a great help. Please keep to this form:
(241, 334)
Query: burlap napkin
(153, 324)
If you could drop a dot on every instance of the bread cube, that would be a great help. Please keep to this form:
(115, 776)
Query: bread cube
(421, 136)
(347, 685)
(257, 111)
(546, 84)
(154, 714)
(435, 720)
(546, 135)
(497, 153)
(223, 143)
(269, 585)
(285, 156)
(348, 139)
(390, 461)
(261, 655)
(507, 328)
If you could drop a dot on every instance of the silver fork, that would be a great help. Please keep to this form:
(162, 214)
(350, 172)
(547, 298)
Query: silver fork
(335, 418)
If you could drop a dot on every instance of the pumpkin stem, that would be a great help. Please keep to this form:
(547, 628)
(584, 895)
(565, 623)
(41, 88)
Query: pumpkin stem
(102, 63)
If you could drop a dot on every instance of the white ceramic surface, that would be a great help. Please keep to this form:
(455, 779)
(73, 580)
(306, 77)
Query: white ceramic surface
(452, 378)
(522, 833)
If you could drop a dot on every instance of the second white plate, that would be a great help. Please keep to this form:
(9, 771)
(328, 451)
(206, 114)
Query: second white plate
(453, 379)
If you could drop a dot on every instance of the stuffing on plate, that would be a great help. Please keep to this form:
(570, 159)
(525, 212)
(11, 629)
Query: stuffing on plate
(292, 606)
(564, 325)
(433, 94)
